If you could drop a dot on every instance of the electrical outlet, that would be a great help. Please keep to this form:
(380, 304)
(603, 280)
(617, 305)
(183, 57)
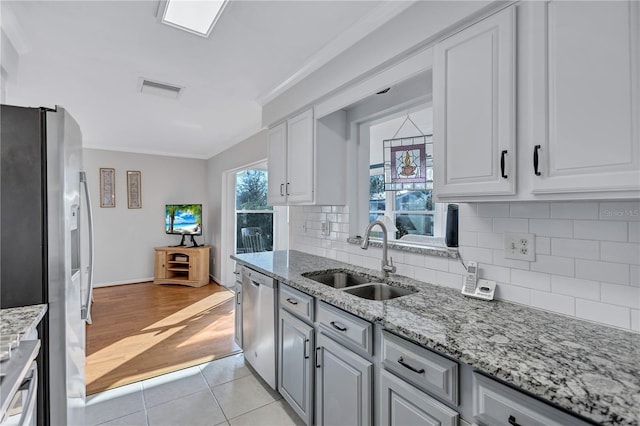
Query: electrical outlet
(520, 246)
(326, 228)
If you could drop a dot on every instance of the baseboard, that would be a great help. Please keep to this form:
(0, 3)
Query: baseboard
(136, 281)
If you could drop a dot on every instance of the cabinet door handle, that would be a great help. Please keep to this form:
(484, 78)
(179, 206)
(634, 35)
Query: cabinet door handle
(536, 160)
(410, 367)
(288, 188)
(306, 353)
(292, 301)
(504, 152)
(513, 421)
(317, 352)
(282, 189)
(238, 298)
(338, 326)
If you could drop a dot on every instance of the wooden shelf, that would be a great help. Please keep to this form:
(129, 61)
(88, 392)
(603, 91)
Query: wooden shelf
(182, 265)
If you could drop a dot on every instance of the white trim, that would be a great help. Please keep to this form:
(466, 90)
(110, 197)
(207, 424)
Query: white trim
(359, 30)
(114, 283)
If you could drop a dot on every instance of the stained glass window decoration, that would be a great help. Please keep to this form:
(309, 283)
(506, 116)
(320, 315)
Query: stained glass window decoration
(408, 163)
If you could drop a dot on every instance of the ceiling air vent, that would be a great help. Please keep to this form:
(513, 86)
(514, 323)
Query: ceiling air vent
(157, 88)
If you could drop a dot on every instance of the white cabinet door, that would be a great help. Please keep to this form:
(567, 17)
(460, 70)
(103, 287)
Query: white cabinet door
(300, 158)
(277, 165)
(474, 109)
(586, 118)
(343, 385)
(295, 351)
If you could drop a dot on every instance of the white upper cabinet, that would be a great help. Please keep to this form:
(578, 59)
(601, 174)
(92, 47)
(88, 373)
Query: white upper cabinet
(586, 95)
(474, 109)
(306, 160)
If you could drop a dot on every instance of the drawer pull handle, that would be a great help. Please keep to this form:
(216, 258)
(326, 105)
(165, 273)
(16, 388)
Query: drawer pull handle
(292, 301)
(338, 326)
(513, 421)
(410, 367)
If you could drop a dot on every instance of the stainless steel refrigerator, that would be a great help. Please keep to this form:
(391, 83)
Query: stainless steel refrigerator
(43, 194)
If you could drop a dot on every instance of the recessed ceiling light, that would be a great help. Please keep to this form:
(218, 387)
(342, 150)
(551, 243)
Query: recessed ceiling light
(195, 16)
(151, 87)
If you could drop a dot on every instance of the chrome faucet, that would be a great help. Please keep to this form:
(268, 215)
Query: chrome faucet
(387, 265)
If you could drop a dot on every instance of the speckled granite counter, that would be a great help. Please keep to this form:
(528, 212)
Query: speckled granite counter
(589, 369)
(21, 320)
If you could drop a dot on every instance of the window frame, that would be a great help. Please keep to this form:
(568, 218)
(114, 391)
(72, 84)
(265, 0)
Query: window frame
(271, 211)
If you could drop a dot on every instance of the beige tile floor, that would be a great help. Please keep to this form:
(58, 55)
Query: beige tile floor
(221, 392)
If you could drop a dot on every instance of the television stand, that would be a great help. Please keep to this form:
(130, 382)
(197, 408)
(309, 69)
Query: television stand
(193, 241)
(182, 265)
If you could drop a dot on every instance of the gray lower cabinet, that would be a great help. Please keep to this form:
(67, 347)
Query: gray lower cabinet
(343, 385)
(296, 364)
(402, 404)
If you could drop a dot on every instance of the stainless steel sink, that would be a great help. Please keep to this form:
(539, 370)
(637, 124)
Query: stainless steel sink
(338, 279)
(378, 291)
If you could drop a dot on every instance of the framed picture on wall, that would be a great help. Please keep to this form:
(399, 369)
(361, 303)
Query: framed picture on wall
(107, 187)
(134, 189)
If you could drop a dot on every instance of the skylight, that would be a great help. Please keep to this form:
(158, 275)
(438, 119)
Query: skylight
(194, 16)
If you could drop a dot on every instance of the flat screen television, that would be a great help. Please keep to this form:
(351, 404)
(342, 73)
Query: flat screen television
(183, 219)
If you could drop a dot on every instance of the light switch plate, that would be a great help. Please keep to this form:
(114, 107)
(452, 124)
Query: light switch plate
(326, 228)
(520, 246)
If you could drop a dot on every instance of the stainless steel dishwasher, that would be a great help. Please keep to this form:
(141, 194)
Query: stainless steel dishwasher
(259, 323)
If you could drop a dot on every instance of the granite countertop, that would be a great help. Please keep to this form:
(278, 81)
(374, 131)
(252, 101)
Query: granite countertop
(586, 368)
(21, 320)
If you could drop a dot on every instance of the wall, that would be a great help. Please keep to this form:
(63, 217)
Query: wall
(246, 152)
(9, 60)
(587, 254)
(419, 24)
(125, 238)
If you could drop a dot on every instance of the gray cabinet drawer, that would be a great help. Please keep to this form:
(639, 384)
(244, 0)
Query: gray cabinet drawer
(497, 404)
(296, 302)
(427, 370)
(346, 327)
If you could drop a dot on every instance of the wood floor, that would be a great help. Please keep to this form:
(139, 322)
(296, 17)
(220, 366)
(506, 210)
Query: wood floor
(144, 330)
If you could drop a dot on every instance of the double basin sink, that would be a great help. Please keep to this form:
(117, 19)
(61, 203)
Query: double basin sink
(359, 285)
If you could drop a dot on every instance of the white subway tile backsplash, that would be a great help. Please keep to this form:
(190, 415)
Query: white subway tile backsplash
(425, 274)
(621, 252)
(587, 254)
(543, 245)
(582, 249)
(533, 280)
(621, 210)
(635, 275)
(501, 225)
(494, 273)
(623, 295)
(554, 265)
(600, 230)
(551, 227)
(574, 210)
(602, 271)
(604, 313)
(500, 260)
(576, 287)
(513, 293)
(493, 210)
(530, 210)
(476, 254)
(553, 302)
(490, 240)
(473, 223)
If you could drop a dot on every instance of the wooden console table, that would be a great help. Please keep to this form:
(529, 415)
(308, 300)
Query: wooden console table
(182, 265)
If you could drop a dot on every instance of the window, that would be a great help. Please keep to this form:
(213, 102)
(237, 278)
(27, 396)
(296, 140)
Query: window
(254, 218)
(418, 219)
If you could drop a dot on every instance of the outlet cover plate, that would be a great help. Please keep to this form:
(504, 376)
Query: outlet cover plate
(520, 246)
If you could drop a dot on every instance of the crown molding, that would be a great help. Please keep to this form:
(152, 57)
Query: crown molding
(366, 25)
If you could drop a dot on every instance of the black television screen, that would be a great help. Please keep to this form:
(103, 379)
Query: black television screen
(183, 219)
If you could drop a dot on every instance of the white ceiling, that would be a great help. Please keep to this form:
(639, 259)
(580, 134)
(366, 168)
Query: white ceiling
(88, 56)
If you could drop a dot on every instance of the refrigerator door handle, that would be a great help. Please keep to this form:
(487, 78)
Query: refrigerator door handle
(86, 307)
